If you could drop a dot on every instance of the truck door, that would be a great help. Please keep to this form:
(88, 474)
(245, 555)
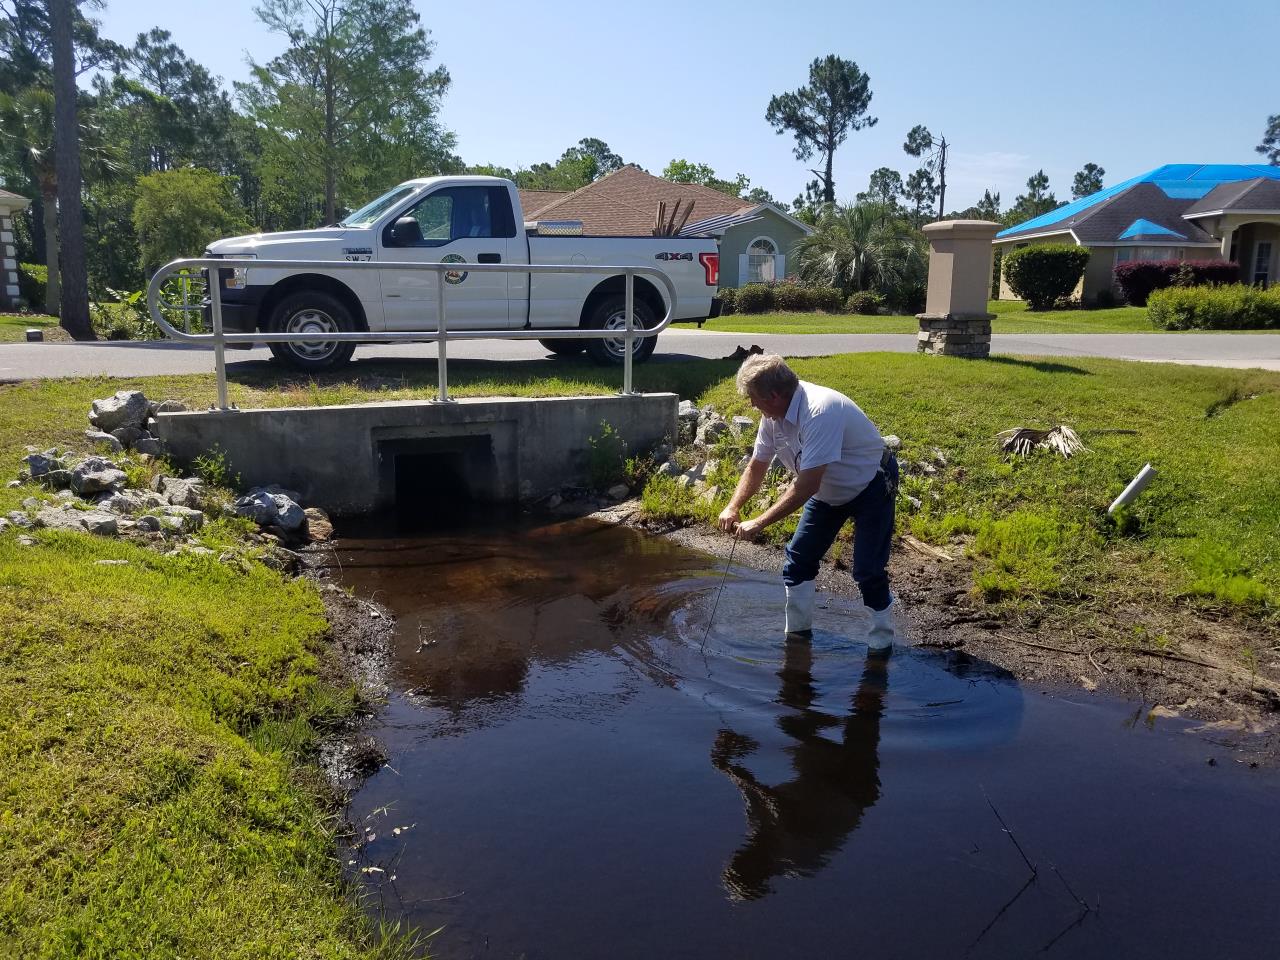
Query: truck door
(462, 225)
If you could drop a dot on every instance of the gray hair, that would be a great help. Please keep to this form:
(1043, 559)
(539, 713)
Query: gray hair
(766, 373)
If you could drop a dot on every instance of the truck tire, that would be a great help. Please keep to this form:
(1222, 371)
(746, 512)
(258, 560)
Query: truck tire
(306, 311)
(565, 347)
(610, 314)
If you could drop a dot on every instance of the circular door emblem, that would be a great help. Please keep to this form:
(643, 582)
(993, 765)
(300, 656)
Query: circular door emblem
(454, 276)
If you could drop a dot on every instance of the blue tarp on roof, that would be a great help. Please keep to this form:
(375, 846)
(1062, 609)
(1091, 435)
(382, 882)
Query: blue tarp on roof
(1145, 228)
(1182, 181)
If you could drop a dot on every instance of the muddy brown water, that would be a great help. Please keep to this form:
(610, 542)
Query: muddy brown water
(574, 773)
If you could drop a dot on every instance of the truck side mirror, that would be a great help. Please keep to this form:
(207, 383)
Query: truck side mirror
(405, 232)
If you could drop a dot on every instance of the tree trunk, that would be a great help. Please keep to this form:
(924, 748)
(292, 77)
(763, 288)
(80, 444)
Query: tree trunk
(828, 186)
(330, 153)
(49, 203)
(942, 178)
(37, 219)
(74, 277)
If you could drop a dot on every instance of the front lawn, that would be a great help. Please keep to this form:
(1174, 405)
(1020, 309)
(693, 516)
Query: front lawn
(13, 327)
(1011, 317)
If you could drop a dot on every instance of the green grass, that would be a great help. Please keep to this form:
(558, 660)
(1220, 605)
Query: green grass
(1204, 531)
(13, 326)
(157, 721)
(1011, 317)
(810, 323)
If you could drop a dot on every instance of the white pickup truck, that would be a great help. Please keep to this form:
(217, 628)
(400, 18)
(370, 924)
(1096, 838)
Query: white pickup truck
(456, 219)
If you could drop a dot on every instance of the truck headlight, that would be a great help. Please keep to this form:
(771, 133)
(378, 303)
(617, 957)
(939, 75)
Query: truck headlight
(237, 278)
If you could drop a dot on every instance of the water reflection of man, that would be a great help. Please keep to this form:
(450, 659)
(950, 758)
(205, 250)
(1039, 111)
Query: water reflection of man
(795, 827)
(842, 471)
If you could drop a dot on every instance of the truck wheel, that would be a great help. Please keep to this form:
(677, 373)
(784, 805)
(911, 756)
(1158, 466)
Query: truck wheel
(311, 311)
(565, 347)
(610, 314)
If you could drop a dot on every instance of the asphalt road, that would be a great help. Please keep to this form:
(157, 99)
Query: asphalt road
(26, 361)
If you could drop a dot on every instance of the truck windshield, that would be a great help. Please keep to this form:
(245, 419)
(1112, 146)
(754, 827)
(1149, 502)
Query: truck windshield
(366, 215)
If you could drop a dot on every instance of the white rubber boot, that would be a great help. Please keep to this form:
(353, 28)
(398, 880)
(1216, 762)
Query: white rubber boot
(880, 638)
(800, 600)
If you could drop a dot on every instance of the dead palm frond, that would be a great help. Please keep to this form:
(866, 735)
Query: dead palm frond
(1023, 440)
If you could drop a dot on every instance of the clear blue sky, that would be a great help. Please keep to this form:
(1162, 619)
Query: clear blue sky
(1014, 86)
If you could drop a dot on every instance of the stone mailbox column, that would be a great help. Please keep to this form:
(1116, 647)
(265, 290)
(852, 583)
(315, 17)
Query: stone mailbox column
(9, 205)
(955, 321)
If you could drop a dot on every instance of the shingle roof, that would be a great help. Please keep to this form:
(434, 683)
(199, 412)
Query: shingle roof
(1109, 222)
(625, 202)
(6, 195)
(1173, 187)
(531, 201)
(1260, 193)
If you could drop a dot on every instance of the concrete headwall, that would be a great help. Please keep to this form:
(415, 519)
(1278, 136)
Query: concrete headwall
(343, 458)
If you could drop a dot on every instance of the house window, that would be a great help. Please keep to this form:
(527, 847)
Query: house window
(1262, 263)
(1124, 254)
(762, 260)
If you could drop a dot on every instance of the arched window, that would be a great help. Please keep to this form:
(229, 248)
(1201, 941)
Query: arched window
(762, 261)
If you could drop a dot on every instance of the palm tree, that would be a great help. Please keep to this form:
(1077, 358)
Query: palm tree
(26, 120)
(862, 246)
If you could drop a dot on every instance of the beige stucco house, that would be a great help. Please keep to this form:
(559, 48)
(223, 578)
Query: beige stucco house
(1175, 212)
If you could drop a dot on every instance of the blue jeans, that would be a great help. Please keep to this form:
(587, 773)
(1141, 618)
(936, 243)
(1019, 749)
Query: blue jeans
(872, 512)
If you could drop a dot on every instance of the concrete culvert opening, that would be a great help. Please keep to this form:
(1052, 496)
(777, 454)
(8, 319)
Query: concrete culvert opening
(439, 481)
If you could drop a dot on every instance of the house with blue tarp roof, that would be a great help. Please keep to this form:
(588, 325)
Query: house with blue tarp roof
(1181, 211)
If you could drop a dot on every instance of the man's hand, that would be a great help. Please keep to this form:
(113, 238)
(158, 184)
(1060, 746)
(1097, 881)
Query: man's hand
(728, 519)
(750, 529)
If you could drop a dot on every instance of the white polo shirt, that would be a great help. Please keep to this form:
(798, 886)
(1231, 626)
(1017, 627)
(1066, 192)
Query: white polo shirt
(823, 426)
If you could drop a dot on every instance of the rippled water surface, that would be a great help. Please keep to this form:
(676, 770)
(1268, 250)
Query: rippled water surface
(574, 772)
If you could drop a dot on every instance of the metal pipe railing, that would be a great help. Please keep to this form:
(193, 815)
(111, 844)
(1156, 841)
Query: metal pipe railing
(219, 338)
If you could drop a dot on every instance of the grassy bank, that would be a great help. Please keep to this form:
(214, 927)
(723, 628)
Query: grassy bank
(1204, 532)
(1011, 317)
(157, 721)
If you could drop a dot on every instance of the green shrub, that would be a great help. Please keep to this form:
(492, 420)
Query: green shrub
(755, 298)
(1046, 273)
(606, 457)
(908, 296)
(867, 303)
(1235, 307)
(214, 468)
(124, 319)
(826, 299)
(728, 300)
(33, 278)
(792, 298)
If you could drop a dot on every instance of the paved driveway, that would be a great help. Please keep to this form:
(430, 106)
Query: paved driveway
(22, 361)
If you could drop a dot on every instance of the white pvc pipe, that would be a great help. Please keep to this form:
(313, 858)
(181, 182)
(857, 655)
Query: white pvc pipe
(1135, 487)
